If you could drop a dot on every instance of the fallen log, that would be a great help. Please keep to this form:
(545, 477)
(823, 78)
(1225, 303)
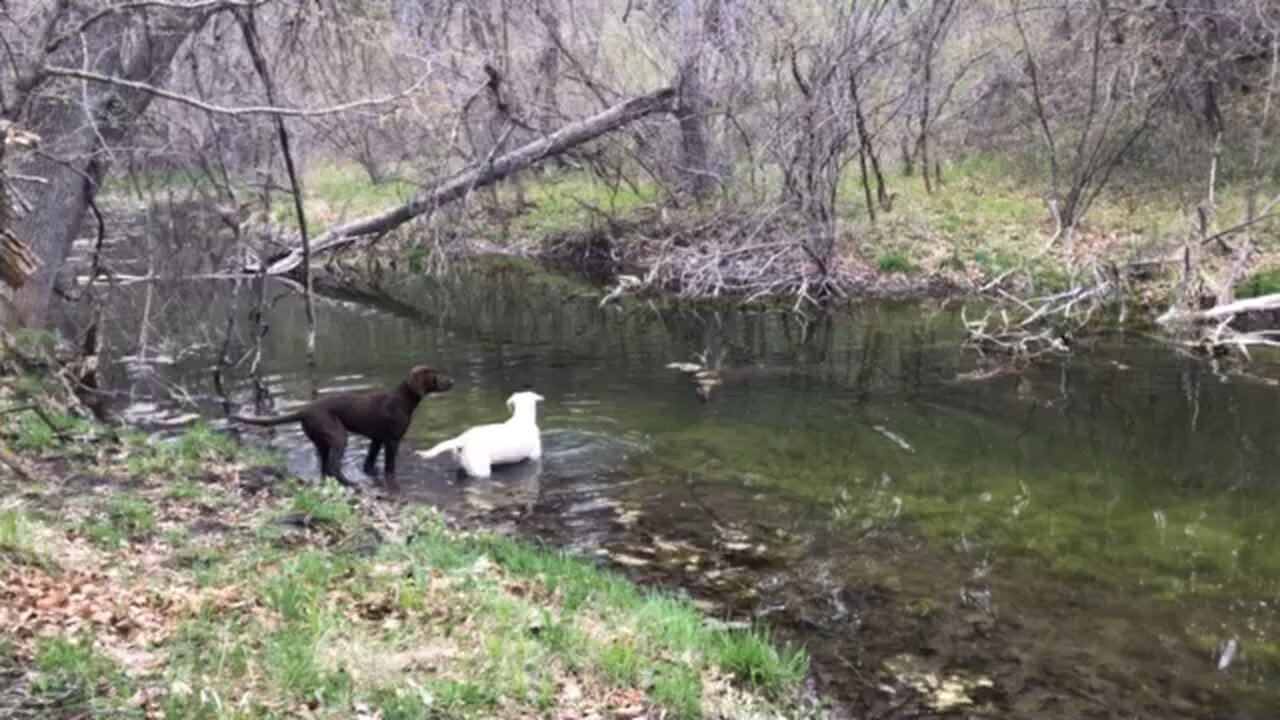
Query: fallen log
(1219, 312)
(460, 185)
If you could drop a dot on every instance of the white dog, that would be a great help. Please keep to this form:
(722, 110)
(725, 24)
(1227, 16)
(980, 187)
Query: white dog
(518, 439)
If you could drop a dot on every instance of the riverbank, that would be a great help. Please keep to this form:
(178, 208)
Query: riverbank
(190, 576)
(984, 230)
(987, 220)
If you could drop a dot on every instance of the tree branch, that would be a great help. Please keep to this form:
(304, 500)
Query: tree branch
(159, 92)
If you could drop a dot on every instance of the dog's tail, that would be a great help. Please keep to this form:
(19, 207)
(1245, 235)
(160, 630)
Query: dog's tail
(451, 445)
(268, 421)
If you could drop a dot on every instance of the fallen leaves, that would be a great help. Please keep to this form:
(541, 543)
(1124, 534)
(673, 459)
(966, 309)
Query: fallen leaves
(126, 622)
(596, 702)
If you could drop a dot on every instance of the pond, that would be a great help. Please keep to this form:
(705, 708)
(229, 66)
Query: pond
(1080, 538)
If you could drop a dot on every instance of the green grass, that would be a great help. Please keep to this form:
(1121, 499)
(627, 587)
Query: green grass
(664, 627)
(894, 262)
(20, 539)
(322, 504)
(678, 688)
(32, 433)
(186, 454)
(559, 202)
(123, 518)
(753, 659)
(74, 677)
(338, 191)
(1263, 282)
(185, 490)
(989, 214)
(13, 530)
(507, 648)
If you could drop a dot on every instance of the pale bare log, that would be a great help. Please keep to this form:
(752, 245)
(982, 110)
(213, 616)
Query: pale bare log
(1218, 312)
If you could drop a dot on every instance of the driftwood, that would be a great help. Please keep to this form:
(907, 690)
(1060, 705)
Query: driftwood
(477, 176)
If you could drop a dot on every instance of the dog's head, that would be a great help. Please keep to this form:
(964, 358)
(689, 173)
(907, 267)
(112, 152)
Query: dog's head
(524, 398)
(425, 380)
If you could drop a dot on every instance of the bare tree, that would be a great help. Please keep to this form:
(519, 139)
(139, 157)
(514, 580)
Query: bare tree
(928, 33)
(80, 122)
(1088, 124)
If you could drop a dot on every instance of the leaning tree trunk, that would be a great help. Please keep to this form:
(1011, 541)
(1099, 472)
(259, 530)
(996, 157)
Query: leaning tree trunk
(77, 126)
(478, 176)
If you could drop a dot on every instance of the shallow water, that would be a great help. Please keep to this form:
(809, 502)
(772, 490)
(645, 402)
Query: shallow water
(1073, 540)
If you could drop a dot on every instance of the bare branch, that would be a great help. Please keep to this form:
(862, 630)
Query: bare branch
(234, 111)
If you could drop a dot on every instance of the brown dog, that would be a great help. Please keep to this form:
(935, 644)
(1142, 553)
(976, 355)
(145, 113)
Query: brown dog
(381, 415)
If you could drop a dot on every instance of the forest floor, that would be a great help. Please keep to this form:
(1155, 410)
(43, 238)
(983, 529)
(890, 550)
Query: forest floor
(189, 576)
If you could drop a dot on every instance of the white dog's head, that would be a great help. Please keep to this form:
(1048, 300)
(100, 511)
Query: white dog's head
(518, 402)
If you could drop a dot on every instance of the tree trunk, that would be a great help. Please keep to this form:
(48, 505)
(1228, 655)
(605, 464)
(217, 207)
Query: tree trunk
(692, 107)
(867, 150)
(549, 72)
(482, 175)
(923, 142)
(78, 126)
